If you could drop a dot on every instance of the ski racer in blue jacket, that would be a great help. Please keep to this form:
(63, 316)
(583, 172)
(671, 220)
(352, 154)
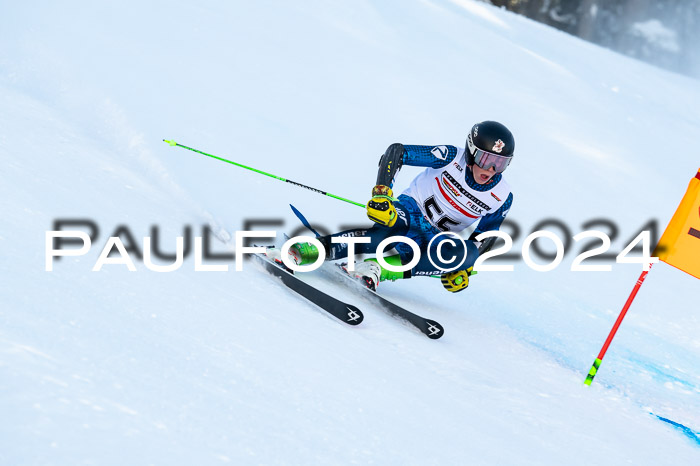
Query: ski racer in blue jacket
(458, 188)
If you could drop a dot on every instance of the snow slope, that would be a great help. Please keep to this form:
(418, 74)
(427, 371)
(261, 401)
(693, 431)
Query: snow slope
(119, 367)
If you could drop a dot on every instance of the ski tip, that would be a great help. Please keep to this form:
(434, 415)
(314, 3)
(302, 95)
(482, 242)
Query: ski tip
(434, 330)
(354, 315)
(172, 143)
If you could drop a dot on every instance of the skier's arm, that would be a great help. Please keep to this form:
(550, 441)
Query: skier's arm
(491, 222)
(389, 164)
(398, 155)
(380, 209)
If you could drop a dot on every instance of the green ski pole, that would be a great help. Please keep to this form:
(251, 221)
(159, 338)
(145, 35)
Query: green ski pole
(175, 144)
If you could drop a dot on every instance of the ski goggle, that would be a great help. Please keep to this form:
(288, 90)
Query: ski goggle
(486, 160)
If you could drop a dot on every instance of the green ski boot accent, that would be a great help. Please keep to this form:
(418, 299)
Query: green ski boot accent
(388, 274)
(303, 253)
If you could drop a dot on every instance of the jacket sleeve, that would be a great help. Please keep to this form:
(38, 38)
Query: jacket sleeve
(398, 155)
(429, 156)
(491, 222)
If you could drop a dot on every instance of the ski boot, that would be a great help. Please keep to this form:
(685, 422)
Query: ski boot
(370, 273)
(275, 255)
(304, 253)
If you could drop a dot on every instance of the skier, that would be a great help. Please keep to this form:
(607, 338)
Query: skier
(458, 188)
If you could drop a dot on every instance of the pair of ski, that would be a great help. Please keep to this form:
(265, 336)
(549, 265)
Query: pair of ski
(343, 311)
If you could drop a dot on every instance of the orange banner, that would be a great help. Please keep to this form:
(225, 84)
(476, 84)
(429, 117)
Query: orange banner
(679, 246)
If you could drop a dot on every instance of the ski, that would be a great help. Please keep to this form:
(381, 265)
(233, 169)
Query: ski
(339, 309)
(429, 327)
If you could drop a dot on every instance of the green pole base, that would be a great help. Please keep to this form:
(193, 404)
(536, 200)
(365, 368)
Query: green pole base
(592, 372)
